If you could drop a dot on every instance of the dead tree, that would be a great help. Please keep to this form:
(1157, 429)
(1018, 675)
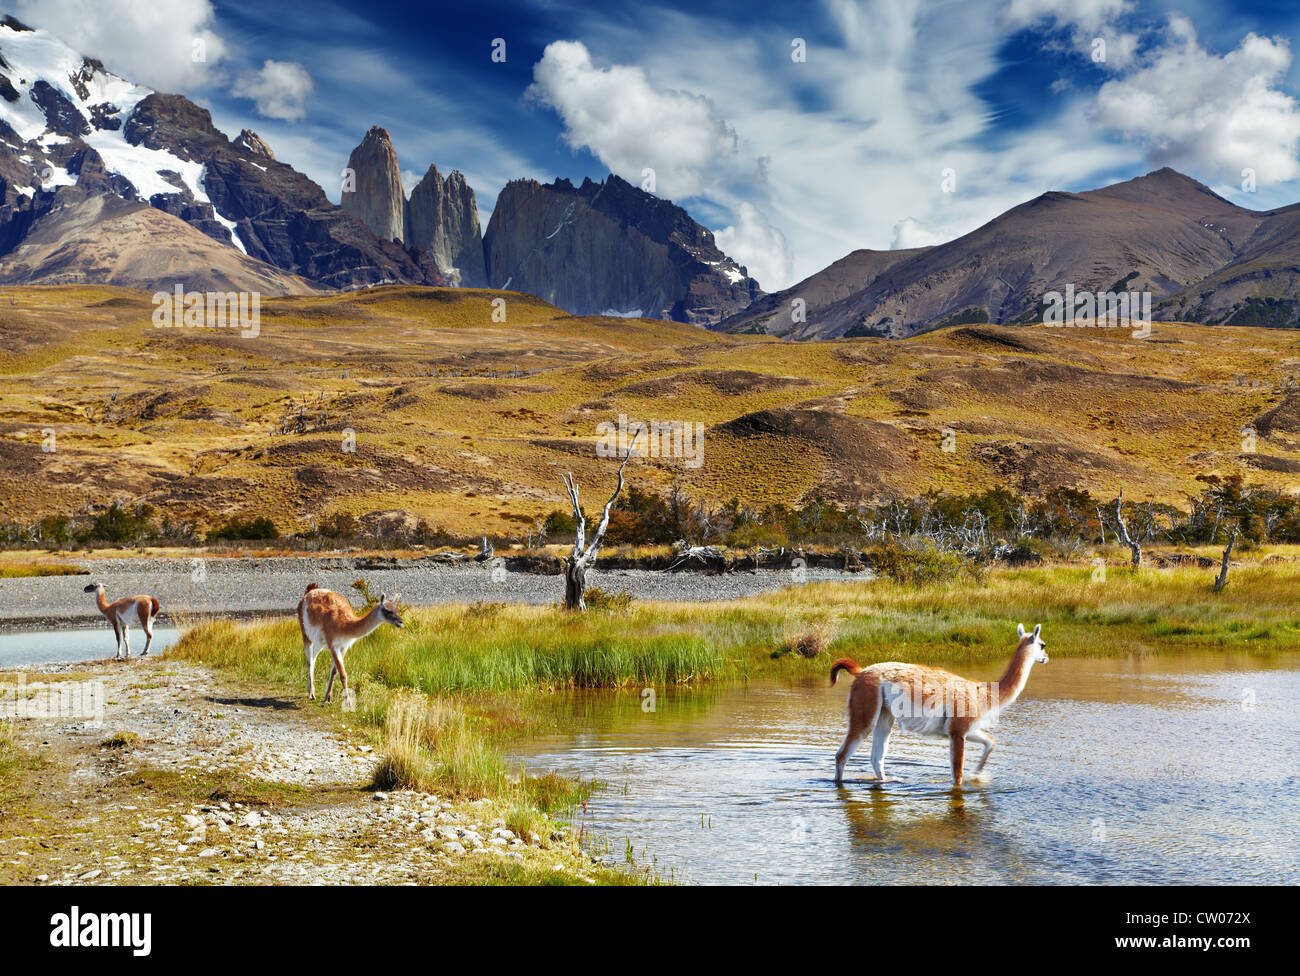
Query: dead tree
(1221, 580)
(709, 558)
(1127, 539)
(576, 566)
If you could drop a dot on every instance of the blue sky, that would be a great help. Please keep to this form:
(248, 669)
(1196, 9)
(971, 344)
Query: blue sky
(906, 123)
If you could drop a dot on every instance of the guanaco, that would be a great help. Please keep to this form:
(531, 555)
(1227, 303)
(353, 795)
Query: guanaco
(120, 613)
(329, 623)
(931, 702)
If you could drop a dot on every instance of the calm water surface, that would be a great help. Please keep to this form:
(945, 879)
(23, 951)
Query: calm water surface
(1153, 770)
(60, 646)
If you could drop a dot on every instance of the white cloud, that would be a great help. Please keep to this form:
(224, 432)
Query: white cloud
(155, 43)
(894, 103)
(1087, 15)
(909, 232)
(1087, 21)
(760, 247)
(630, 124)
(1210, 114)
(280, 89)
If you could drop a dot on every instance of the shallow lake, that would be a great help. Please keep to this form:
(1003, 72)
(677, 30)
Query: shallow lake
(1153, 770)
(20, 650)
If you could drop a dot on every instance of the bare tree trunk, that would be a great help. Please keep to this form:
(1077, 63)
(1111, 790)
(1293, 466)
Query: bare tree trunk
(576, 566)
(575, 584)
(1133, 547)
(1222, 579)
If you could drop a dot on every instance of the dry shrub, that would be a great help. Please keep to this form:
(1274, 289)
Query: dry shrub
(810, 642)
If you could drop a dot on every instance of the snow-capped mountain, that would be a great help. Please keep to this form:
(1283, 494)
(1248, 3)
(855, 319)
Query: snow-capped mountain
(103, 180)
(82, 151)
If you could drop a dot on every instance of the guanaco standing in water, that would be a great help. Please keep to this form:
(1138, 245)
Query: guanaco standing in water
(931, 702)
(143, 609)
(328, 623)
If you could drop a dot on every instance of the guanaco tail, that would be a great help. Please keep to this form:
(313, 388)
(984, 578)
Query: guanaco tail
(120, 613)
(328, 623)
(931, 702)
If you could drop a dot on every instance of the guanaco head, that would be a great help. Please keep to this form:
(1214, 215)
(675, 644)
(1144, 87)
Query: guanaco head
(388, 610)
(93, 587)
(1036, 646)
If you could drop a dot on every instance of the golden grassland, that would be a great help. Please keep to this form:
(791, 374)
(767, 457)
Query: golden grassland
(469, 422)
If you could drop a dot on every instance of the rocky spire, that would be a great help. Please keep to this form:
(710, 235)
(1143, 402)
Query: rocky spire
(250, 140)
(372, 189)
(443, 220)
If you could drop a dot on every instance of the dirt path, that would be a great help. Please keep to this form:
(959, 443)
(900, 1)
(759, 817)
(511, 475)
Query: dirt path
(192, 777)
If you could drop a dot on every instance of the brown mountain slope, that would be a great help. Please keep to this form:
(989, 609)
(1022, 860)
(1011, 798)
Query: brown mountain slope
(1163, 233)
(1260, 286)
(88, 239)
(774, 315)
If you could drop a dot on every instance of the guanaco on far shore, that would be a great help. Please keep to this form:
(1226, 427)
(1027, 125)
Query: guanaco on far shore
(931, 702)
(328, 623)
(120, 613)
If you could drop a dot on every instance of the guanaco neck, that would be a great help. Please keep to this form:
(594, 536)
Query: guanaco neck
(101, 600)
(1013, 679)
(360, 626)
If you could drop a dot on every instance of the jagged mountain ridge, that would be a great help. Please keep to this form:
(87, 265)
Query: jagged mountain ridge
(72, 133)
(1203, 258)
(70, 130)
(611, 249)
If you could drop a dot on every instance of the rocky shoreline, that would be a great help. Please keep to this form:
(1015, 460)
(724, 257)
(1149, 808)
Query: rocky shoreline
(190, 776)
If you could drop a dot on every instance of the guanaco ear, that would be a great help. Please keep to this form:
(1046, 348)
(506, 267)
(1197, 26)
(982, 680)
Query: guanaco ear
(383, 598)
(1037, 628)
(1020, 630)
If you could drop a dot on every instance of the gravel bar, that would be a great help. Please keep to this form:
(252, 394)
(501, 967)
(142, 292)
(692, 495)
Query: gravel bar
(252, 587)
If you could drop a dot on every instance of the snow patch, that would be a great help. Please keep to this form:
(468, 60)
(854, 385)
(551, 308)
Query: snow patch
(230, 226)
(142, 166)
(55, 177)
(565, 220)
(727, 270)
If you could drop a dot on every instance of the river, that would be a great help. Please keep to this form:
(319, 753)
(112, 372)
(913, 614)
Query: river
(1164, 769)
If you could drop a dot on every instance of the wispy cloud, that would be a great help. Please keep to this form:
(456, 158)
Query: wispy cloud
(908, 122)
(279, 89)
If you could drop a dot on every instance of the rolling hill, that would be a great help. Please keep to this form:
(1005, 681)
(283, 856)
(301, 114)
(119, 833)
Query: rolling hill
(469, 422)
